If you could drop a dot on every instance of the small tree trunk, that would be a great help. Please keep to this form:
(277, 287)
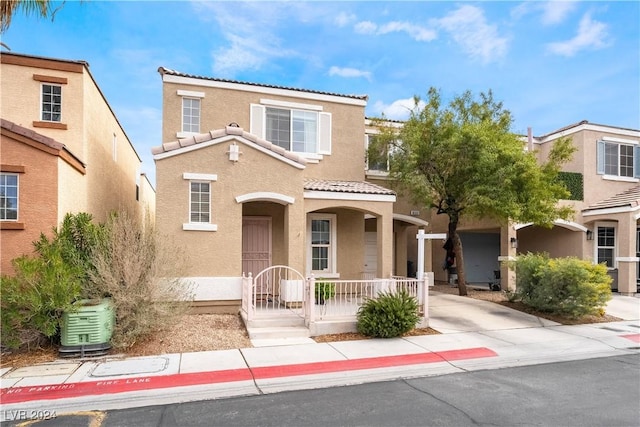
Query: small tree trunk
(457, 248)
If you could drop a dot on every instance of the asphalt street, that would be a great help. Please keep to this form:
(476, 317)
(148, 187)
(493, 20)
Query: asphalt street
(595, 392)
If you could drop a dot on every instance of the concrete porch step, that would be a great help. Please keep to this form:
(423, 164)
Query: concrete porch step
(276, 322)
(278, 332)
(273, 342)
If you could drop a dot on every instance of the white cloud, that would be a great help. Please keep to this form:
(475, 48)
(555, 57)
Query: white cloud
(591, 35)
(251, 30)
(365, 27)
(469, 28)
(399, 109)
(553, 12)
(343, 19)
(349, 72)
(416, 32)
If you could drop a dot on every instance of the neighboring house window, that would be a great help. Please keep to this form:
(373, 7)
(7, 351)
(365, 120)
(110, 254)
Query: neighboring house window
(200, 202)
(618, 159)
(322, 244)
(606, 245)
(376, 161)
(51, 103)
(302, 128)
(8, 197)
(191, 115)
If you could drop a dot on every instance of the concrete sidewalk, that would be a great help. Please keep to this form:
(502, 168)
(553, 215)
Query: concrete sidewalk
(475, 335)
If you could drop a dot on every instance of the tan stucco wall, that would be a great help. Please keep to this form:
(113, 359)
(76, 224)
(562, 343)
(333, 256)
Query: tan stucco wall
(219, 253)
(109, 185)
(221, 107)
(37, 199)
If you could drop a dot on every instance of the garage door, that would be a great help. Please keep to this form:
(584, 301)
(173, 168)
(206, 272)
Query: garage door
(481, 252)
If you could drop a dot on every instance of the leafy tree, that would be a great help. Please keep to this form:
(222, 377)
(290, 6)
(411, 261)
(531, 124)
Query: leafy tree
(43, 8)
(463, 160)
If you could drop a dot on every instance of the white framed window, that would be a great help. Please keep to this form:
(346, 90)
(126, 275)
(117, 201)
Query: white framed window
(606, 244)
(51, 103)
(378, 162)
(200, 202)
(300, 128)
(618, 159)
(191, 115)
(322, 247)
(9, 197)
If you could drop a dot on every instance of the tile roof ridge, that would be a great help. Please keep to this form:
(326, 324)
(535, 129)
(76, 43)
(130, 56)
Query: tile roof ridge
(629, 197)
(229, 130)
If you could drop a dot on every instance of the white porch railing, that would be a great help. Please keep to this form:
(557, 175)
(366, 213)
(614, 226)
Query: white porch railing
(282, 291)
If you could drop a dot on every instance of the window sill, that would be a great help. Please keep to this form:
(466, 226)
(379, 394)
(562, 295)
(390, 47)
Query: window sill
(376, 174)
(192, 226)
(324, 275)
(50, 125)
(10, 225)
(619, 178)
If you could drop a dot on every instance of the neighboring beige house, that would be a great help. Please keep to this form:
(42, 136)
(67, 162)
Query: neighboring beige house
(606, 225)
(254, 175)
(63, 150)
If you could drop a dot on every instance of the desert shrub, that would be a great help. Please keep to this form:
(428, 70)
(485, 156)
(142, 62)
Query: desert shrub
(140, 271)
(46, 284)
(391, 314)
(566, 286)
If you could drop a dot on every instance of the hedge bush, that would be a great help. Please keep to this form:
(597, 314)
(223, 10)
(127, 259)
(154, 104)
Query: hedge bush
(391, 314)
(566, 286)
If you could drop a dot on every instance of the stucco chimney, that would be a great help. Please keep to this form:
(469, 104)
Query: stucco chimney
(529, 139)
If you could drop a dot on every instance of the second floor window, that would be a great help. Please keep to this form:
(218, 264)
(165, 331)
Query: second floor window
(51, 103)
(294, 130)
(376, 160)
(191, 115)
(8, 197)
(618, 159)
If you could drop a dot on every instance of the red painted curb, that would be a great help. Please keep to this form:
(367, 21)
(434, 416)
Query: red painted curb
(632, 337)
(91, 388)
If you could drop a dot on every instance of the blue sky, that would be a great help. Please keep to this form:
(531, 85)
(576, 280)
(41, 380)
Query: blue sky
(551, 63)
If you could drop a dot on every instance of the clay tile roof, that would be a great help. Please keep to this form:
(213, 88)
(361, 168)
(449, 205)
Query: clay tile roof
(629, 198)
(360, 187)
(163, 70)
(220, 133)
(35, 136)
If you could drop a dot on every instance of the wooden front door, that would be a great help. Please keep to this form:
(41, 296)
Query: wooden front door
(256, 244)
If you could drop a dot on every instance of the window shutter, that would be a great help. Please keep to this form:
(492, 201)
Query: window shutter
(257, 120)
(600, 158)
(324, 138)
(636, 161)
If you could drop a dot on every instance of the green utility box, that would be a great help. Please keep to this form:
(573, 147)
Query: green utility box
(91, 324)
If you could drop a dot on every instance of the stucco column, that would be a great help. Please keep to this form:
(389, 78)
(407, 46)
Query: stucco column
(294, 236)
(627, 255)
(385, 242)
(507, 253)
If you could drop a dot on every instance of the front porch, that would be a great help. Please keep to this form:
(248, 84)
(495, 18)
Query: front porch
(280, 302)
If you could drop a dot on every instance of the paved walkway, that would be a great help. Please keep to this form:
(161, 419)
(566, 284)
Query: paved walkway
(475, 335)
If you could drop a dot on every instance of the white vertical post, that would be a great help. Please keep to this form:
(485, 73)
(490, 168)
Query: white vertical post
(421, 238)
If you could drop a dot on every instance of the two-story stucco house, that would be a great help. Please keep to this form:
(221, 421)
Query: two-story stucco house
(605, 175)
(253, 175)
(63, 151)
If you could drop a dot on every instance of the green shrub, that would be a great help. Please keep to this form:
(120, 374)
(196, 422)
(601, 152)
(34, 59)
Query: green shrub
(45, 285)
(324, 290)
(391, 314)
(566, 286)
